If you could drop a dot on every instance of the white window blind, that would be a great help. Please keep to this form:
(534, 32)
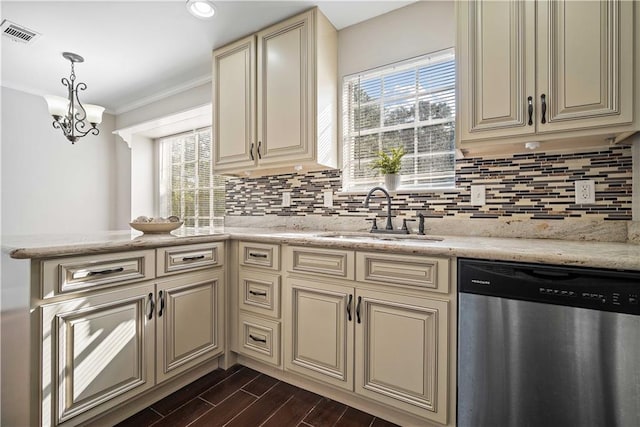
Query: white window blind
(410, 104)
(188, 188)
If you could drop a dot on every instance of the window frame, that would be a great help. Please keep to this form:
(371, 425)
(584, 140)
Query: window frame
(348, 137)
(164, 188)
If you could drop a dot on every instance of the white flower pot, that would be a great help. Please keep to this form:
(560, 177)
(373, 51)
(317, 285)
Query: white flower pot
(392, 181)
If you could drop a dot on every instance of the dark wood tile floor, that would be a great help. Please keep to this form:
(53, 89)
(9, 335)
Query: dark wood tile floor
(242, 397)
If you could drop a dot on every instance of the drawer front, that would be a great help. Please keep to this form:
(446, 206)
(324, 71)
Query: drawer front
(409, 270)
(178, 259)
(259, 292)
(77, 274)
(260, 338)
(260, 255)
(331, 262)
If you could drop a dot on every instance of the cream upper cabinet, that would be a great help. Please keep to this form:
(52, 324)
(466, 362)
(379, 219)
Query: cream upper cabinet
(275, 98)
(234, 115)
(545, 70)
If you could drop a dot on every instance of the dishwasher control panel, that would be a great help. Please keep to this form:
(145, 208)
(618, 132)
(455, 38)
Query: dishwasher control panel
(599, 289)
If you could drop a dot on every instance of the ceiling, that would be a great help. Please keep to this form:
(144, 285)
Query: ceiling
(137, 51)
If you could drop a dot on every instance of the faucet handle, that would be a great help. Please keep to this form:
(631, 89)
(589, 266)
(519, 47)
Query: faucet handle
(421, 224)
(374, 226)
(404, 224)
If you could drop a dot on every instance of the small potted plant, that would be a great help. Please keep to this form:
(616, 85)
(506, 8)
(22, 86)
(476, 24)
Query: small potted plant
(389, 165)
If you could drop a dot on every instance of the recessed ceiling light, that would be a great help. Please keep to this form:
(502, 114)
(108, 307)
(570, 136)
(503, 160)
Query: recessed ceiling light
(202, 9)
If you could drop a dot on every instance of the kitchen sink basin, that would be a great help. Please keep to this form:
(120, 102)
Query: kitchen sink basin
(346, 235)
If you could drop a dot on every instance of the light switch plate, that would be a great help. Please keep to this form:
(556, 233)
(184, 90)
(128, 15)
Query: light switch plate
(478, 197)
(585, 191)
(286, 199)
(328, 199)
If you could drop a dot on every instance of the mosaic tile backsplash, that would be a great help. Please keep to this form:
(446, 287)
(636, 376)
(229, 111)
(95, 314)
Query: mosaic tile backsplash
(520, 186)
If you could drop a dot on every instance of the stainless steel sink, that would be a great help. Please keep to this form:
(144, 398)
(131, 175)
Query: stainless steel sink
(347, 235)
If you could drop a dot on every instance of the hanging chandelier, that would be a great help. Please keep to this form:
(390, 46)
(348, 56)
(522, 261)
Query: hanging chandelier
(69, 114)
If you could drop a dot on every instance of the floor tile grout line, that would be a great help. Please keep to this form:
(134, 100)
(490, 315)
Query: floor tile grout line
(202, 415)
(245, 408)
(255, 395)
(218, 383)
(341, 415)
(156, 411)
(372, 421)
(279, 407)
(213, 405)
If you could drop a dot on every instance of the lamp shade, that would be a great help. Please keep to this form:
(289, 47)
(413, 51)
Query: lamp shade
(94, 113)
(58, 106)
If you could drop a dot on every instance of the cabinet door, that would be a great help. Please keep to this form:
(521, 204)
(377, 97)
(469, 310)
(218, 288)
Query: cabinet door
(286, 60)
(495, 68)
(401, 352)
(234, 83)
(97, 352)
(189, 322)
(585, 63)
(319, 335)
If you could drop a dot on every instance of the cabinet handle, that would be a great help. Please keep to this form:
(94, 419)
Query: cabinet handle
(251, 152)
(349, 307)
(259, 145)
(257, 339)
(150, 307)
(358, 309)
(108, 271)
(254, 255)
(262, 294)
(530, 101)
(192, 258)
(543, 100)
(161, 296)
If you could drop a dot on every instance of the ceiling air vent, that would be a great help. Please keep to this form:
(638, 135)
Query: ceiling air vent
(17, 33)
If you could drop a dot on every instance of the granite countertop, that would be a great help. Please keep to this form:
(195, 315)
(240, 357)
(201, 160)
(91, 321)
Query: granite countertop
(562, 252)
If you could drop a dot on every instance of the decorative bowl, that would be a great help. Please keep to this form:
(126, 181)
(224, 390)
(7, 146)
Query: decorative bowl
(156, 227)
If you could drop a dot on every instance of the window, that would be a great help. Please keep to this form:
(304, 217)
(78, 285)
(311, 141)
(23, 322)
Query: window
(188, 188)
(411, 105)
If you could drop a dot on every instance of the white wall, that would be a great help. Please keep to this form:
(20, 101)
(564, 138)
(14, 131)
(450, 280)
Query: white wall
(48, 184)
(416, 29)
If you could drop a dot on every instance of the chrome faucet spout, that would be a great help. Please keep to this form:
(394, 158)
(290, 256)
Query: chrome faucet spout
(389, 226)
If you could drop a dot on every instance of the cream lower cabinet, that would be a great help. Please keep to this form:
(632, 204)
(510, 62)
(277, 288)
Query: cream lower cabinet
(97, 351)
(398, 343)
(319, 335)
(189, 322)
(101, 350)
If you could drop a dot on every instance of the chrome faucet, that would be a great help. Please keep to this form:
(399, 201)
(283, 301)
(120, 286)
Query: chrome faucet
(389, 227)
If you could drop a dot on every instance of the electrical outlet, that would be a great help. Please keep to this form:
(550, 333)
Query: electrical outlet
(328, 199)
(585, 191)
(286, 199)
(478, 197)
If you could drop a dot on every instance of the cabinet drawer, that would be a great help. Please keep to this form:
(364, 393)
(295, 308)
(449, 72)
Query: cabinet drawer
(260, 255)
(67, 275)
(178, 259)
(260, 338)
(410, 270)
(259, 292)
(333, 262)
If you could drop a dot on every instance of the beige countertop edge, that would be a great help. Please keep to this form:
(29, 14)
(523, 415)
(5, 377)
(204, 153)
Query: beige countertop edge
(621, 256)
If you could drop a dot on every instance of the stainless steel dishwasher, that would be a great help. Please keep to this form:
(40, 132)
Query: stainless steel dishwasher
(547, 346)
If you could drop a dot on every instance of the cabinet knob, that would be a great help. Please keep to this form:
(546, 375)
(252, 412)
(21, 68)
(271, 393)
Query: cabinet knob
(543, 101)
(251, 152)
(530, 108)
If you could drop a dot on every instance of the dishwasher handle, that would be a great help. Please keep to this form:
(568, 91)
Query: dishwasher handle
(548, 275)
